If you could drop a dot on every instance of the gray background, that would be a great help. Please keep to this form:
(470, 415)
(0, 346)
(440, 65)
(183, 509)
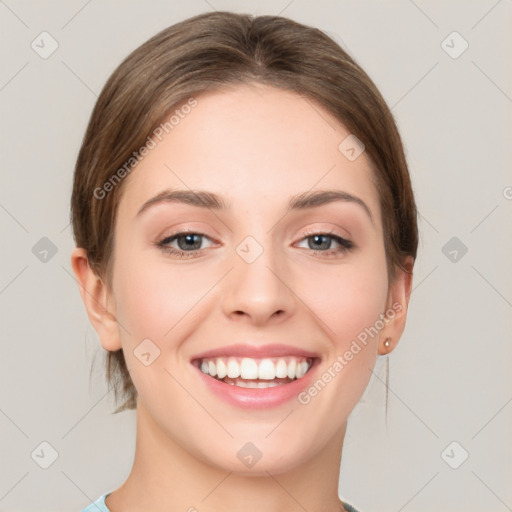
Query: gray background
(450, 378)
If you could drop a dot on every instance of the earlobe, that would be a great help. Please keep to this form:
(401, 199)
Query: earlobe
(396, 308)
(97, 300)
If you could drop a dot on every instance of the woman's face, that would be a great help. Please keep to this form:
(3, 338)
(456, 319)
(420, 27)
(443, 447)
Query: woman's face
(254, 274)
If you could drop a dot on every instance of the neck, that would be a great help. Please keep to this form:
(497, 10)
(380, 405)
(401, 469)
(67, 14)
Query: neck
(166, 477)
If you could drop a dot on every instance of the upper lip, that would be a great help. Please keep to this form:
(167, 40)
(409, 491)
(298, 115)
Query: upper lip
(256, 351)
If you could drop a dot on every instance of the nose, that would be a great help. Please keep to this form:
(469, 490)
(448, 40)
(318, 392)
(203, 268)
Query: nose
(259, 291)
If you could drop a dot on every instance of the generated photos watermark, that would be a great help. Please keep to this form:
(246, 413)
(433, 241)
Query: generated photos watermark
(362, 338)
(151, 143)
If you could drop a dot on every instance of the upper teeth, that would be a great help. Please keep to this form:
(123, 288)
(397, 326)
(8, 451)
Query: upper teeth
(248, 368)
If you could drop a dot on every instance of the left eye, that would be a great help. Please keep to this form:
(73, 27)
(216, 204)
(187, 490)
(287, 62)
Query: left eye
(323, 242)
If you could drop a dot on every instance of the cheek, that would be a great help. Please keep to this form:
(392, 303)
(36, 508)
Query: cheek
(349, 304)
(347, 300)
(155, 303)
(156, 298)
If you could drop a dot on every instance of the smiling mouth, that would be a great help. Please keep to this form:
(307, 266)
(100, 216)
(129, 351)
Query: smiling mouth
(248, 372)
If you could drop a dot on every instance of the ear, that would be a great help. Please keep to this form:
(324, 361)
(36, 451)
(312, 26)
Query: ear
(97, 300)
(396, 308)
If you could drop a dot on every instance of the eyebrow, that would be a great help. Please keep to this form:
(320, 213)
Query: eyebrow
(204, 199)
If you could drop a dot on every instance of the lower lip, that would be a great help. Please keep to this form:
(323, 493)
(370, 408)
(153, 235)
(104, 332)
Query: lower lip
(259, 398)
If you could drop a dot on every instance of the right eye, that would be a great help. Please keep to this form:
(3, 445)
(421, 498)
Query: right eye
(188, 242)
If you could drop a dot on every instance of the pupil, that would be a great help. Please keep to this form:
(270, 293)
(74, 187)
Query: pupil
(189, 244)
(317, 238)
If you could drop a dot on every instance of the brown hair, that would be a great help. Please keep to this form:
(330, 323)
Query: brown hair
(207, 52)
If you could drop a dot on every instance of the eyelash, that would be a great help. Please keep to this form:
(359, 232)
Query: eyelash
(345, 245)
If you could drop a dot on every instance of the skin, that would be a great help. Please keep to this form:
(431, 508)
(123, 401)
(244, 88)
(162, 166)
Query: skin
(256, 146)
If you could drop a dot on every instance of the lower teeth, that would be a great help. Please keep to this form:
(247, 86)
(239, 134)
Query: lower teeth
(256, 383)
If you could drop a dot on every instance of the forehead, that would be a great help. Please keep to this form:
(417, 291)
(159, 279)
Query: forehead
(250, 144)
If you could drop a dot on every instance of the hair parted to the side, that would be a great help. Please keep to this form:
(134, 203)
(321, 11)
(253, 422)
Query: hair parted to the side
(205, 53)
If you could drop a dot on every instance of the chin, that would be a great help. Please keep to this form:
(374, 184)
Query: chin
(257, 458)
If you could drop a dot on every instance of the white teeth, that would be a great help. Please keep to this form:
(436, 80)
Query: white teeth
(251, 369)
(281, 369)
(268, 384)
(242, 384)
(292, 366)
(266, 370)
(221, 369)
(233, 369)
(251, 384)
(302, 368)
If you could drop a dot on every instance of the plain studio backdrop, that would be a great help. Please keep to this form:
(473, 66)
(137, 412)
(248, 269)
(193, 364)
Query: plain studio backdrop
(444, 69)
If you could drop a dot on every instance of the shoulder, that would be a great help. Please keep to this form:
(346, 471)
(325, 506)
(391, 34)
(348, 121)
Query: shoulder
(100, 506)
(349, 508)
(97, 506)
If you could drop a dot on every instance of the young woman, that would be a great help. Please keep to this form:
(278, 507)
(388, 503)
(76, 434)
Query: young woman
(246, 233)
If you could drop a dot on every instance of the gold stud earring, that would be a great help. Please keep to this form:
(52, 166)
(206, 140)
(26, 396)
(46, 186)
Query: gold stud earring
(386, 342)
